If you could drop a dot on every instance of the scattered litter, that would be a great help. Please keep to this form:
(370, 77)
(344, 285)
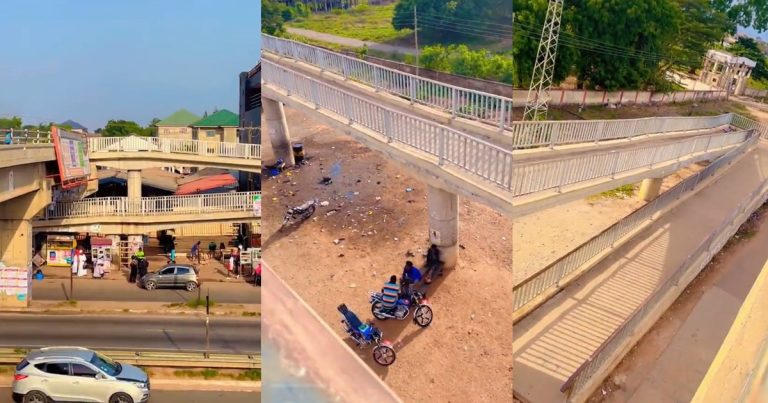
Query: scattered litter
(396, 239)
(356, 193)
(330, 213)
(408, 253)
(462, 246)
(326, 181)
(337, 241)
(341, 255)
(325, 203)
(409, 190)
(353, 285)
(378, 198)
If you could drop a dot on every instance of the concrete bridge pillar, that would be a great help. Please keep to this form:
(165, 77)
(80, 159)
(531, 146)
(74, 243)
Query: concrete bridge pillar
(277, 130)
(650, 188)
(444, 223)
(16, 242)
(134, 185)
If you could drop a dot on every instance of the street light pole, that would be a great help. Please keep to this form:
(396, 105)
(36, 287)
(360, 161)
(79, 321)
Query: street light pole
(416, 36)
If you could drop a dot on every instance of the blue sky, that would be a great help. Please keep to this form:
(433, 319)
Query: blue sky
(92, 61)
(751, 32)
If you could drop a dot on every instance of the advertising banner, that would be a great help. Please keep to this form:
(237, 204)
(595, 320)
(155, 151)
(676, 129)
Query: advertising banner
(257, 206)
(14, 285)
(72, 156)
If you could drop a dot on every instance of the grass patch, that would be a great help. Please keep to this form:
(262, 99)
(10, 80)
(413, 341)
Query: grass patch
(250, 314)
(621, 192)
(315, 42)
(198, 303)
(69, 302)
(644, 111)
(758, 84)
(178, 304)
(367, 23)
(248, 375)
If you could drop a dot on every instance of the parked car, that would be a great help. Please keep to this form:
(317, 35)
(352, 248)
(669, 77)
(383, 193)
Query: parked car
(77, 374)
(172, 276)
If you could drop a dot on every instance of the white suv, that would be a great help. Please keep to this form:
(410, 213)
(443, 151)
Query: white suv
(76, 374)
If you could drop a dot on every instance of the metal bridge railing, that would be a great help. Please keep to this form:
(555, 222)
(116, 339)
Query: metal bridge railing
(471, 104)
(550, 277)
(648, 312)
(13, 136)
(479, 157)
(152, 206)
(173, 146)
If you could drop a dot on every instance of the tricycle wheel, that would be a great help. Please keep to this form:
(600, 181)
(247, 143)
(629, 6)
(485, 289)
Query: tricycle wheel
(423, 315)
(384, 355)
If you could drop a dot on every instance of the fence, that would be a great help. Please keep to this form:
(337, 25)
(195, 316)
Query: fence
(557, 97)
(152, 206)
(749, 124)
(476, 105)
(550, 276)
(169, 145)
(491, 108)
(11, 136)
(751, 92)
(538, 176)
(484, 159)
(155, 358)
(648, 312)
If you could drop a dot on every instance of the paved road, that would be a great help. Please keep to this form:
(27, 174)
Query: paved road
(115, 290)
(160, 396)
(355, 43)
(228, 335)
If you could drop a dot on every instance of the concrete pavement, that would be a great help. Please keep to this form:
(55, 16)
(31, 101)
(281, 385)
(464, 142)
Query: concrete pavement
(678, 371)
(552, 342)
(87, 289)
(227, 335)
(350, 42)
(163, 396)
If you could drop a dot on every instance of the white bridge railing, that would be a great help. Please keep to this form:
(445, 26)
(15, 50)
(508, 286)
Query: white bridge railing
(477, 156)
(153, 206)
(173, 146)
(481, 106)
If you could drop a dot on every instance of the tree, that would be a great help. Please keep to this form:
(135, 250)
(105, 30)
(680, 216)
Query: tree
(748, 47)
(10, 123)
(123, 128)
(745, 13)
(702, 27)
(272, 17)
(445, 21)
(153, 122)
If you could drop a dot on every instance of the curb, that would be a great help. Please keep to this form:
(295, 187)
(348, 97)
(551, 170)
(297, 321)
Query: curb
(189, 385)
(148, 308)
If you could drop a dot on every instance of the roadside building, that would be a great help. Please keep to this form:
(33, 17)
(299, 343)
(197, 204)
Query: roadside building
(250, 120)
(219, 126)
(724, 70)
(177, 125)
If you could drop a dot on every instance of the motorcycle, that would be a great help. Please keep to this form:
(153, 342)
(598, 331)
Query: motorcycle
(300, 213)
(365, 334)
(422, 314)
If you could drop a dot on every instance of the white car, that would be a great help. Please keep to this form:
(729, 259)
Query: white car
(76, 374)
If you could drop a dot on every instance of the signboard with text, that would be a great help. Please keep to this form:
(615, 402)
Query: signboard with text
(257, 206)
(14, 286)
(72, 157)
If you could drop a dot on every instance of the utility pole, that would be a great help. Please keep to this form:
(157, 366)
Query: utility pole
(416, 36)
(207, 320)
(541, 80)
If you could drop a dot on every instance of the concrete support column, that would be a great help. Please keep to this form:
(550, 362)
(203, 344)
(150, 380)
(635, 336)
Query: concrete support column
(134, 185)
(16, 242)
(444, 223)
(277, 130)
(650, 189)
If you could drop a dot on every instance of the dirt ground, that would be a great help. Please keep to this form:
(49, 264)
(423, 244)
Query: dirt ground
(379, 225)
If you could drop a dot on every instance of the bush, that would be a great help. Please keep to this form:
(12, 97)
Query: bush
(460, 60)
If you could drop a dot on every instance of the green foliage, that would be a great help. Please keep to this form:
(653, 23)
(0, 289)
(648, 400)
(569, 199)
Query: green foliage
(10, 123)
(459, 59)
(123, 128)
(445, 21)
(366, 23)
(272, 17)
(701, 28)
(748, 47)
(745, 13)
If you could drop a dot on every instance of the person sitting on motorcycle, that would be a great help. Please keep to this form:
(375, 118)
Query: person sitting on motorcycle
(390, 294)
(411, 275)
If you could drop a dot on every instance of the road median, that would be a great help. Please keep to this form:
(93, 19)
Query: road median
(191, 308)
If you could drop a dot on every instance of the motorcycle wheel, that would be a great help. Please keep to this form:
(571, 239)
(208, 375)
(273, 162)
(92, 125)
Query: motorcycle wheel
(309, 212)
(384, 355)
(376, 311)
(423, 315)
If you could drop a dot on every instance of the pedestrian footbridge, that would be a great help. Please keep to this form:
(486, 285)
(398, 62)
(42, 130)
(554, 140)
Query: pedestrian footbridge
(135, 153)
(465, 164)
(121, 215)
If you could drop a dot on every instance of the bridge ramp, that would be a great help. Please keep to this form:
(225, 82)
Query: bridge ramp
(552, 342)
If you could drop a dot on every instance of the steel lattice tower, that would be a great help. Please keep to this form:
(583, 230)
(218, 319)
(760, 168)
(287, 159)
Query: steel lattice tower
(541, 81)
